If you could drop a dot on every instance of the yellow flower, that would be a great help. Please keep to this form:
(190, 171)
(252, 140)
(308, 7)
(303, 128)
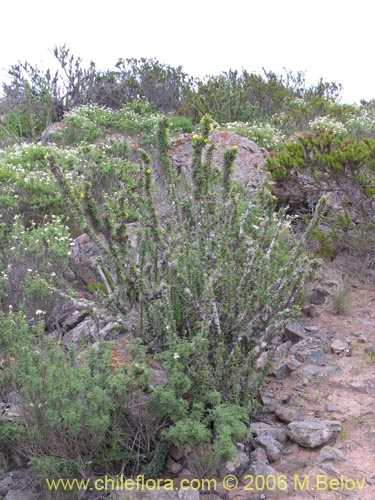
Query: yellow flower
(81, 194)
(196, 137)
(148, 171)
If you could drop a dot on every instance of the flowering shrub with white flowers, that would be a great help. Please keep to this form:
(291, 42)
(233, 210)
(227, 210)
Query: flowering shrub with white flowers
(88, 123)
(361, 124)
(328, 123)
(265, 134)
(33, 262)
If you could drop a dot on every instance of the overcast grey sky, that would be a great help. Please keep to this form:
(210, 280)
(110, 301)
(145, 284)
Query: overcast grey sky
(332, 39)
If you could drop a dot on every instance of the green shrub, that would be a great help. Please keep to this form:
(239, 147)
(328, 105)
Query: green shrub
(86, 124)
(361, 124)
(214, 281)
(327, 158)
(181, 124)
(27, 187)
(32, 263)
(298, 112)
(35, 98)
(77, 412)
(324, 162)
(94, 287)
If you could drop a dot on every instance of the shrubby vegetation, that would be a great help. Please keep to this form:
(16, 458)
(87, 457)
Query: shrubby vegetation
(34, 98)
(267, 105)
(78, 411)
(212, 279)
(330, 162)
(208, 279)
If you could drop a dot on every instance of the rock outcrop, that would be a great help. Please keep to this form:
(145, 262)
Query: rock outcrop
(247, 165)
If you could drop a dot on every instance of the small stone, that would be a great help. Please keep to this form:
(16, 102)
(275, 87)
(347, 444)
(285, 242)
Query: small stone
(48, 133)
(13, 398)
(72, 319)
(281, 371)
(311, 328)
(288, 415)
(85, 331)
(330, 469)
(176, 453)
(267, 397)
(285, 399)
(282, 350)
(313, 433)
(262, 429)
(292, 363)
(290, 450)
(11, 413)
(361, 337)
(7, 482)
(294, 331)
(261, 361)
(338, 372)
(331, 408)
(313, 371)
(315, 357)
(173, 467)
(272, 447)
(259, 468)
(359, 385)
(367, 321)
(108, 332)
(309, 351)
(259, 454)
(284, 363)
(237, 466)
(338, 346)
(310, 310)
(328, 453)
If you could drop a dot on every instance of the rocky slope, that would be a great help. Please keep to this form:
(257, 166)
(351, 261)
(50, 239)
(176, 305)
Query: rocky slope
(318, 414)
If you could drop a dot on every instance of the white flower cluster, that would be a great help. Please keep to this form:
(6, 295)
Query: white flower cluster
(265, 134)
(125, 119)
(328, 123)
(361, 124)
